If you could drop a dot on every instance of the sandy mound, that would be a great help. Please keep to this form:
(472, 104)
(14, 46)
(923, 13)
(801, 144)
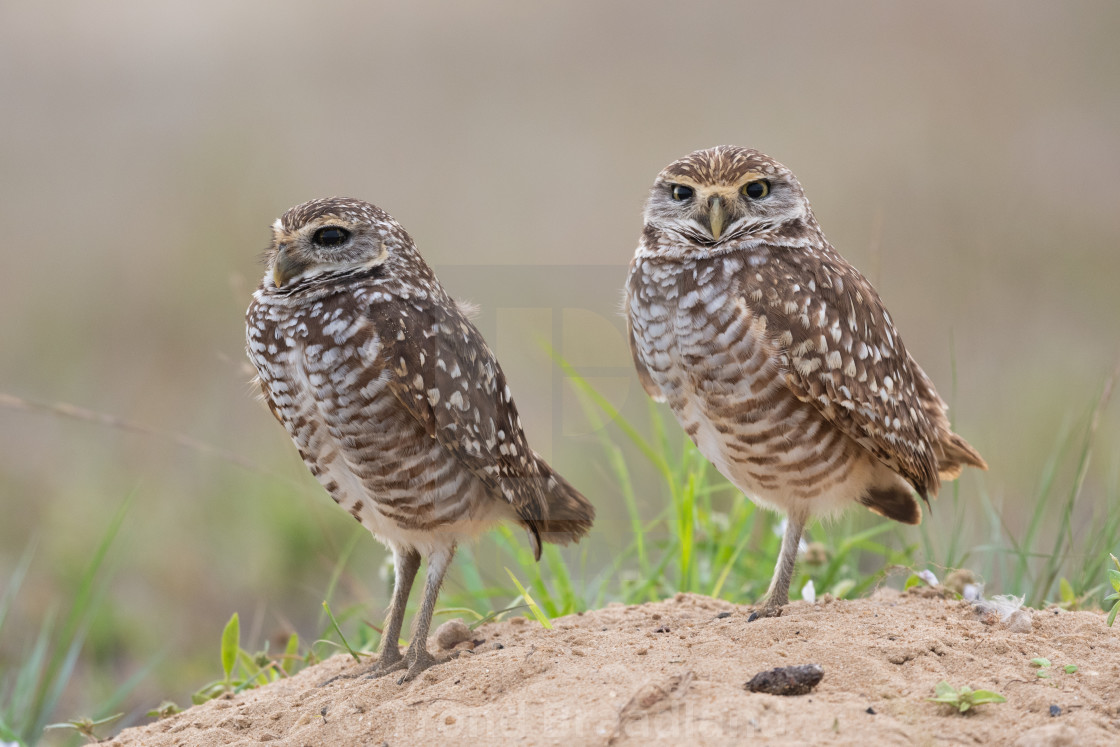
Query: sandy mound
(673, 672)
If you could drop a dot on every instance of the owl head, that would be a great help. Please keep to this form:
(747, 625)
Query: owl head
(331, 236)
(721, 195)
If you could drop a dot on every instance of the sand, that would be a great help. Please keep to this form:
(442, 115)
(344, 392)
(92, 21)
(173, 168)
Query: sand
(673, 672)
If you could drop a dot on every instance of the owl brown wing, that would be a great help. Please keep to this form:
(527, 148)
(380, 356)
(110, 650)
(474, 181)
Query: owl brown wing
(446, 377)
(651, 387)
(840, 352)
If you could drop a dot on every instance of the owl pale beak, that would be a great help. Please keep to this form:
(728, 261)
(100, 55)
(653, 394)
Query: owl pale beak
(285, 267)
(715, 216)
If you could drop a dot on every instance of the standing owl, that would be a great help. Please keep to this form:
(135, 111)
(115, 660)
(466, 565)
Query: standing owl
(777, 356)
(395, 402)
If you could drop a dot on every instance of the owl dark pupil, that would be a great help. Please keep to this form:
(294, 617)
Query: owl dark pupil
(330, 236)
(681, 192)
(756, 190)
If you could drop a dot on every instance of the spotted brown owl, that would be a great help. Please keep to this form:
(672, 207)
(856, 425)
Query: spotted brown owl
(395, 402)
(777, 356)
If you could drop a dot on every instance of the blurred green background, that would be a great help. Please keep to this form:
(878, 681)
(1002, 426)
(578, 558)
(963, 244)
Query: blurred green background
(964, 155)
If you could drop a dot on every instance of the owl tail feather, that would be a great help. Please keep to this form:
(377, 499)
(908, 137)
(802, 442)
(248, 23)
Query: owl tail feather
(956, 454)
(569, 513)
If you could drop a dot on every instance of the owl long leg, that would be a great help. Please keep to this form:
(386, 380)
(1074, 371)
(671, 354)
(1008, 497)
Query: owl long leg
(418, 657)
(389, 659)
(406, 562)
(778, 594)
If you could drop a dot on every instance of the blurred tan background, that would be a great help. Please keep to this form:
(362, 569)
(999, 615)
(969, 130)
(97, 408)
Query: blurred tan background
(966, 156)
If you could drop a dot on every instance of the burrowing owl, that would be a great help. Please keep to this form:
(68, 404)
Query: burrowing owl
(777, 356)
(395, 402)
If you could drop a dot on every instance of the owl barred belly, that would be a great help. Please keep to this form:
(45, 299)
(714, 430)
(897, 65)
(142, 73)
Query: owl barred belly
(717, 367)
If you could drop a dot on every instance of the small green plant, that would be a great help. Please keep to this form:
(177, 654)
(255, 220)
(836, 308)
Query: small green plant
(163, 710)
(964, 698)
(1043, 665)
(251, 670)
(1114, 581)
(85, 726)
(1068, 599)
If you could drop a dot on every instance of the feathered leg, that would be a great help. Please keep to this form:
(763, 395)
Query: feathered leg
(778, 594)
(418, 658)
(406, 562)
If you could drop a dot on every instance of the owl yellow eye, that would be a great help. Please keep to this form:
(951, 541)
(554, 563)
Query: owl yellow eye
(330, 236)
(681, 192)
(756, 190)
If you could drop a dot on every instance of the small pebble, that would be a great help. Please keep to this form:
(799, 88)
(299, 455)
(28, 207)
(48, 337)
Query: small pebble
(753, 617)
(662, 629)
(723, 615)
(870, 710)
(1055, 710)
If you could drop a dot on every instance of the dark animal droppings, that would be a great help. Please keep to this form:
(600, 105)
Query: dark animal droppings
(796, 680)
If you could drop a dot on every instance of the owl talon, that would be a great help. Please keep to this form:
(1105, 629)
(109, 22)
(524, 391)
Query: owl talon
(386, 666)
(386, 663)
(767, 611)
(422, 661)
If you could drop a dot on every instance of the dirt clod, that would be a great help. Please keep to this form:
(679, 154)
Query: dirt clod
(795, 680)
(1020, 621)
(452, 633)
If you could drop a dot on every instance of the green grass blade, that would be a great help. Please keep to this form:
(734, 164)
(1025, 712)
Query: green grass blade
(562, 579)
(653, 455)
(537, 612)
(46, 672)
(338, 630)
(15, 581)
(457, 611)
(726, 570)
(341, 563)
(231, 644)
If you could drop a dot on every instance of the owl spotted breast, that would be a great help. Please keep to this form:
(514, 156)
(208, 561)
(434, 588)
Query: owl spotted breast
(395, 402)
(777, 356)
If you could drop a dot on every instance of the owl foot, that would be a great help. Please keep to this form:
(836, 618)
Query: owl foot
(386, 662)
(417, 664)
(770, 610)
